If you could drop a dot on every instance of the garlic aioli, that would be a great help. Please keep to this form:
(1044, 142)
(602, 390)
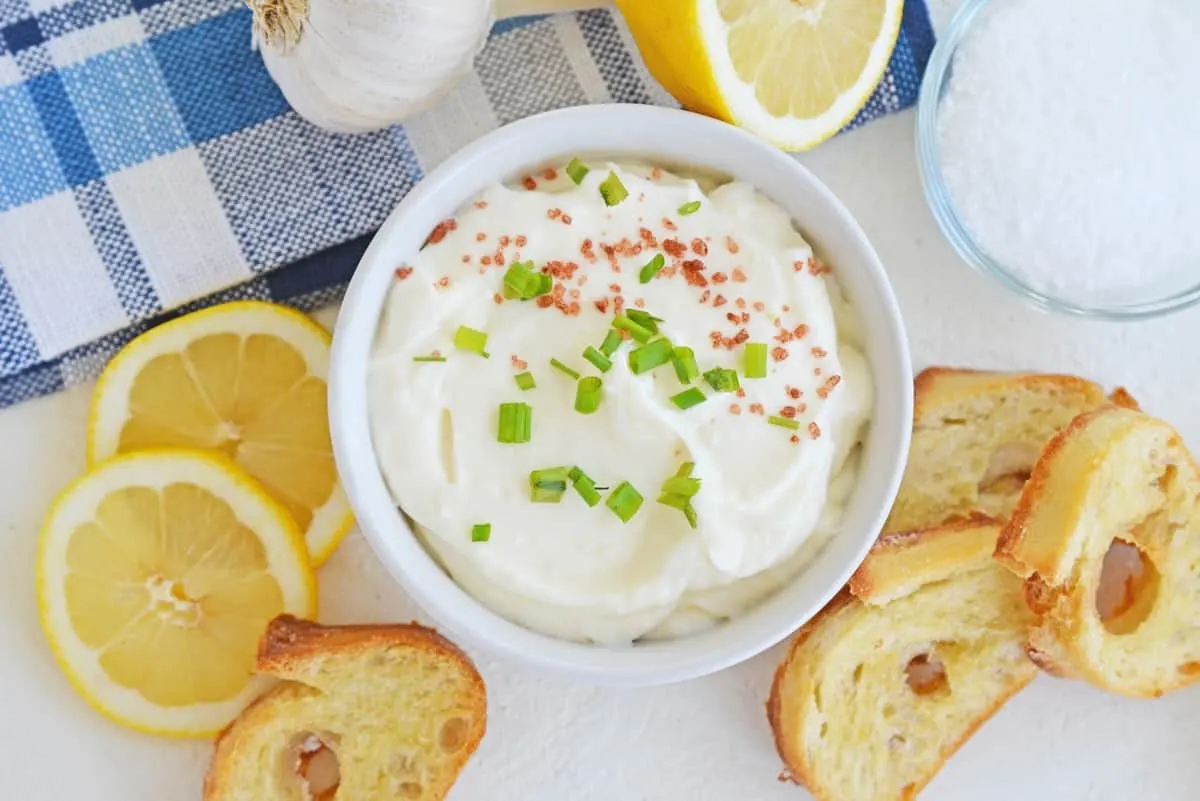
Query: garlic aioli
(735, 271)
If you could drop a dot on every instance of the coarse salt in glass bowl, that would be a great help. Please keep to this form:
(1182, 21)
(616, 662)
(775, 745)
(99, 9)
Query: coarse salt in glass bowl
(1159, 295)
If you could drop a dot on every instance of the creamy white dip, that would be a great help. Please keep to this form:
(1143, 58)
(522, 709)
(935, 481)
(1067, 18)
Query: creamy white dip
(736, 271)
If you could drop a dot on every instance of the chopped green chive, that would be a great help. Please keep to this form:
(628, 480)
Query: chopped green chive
(481, 532)
(597, 358)
(684, 360)
(783, 422)
(588, 394)
(649, 356)
(681, 485)
(577, 170)
(645, 319)
(612, 341)
(471, 340)
(584, 485)
(756, 360)
(516, 423)
(678, 491)
(525, 381)
(691, 207)
(557, 365)
(612, 190)
(674, 500)
(638, 332)
(624, 501)
(652, 268)
(688, 398)
(524, 282)
(722, 379)
(429, 358)
(548, 485)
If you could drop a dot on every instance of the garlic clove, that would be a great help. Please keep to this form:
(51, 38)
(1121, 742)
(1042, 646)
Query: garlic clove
(310, 102)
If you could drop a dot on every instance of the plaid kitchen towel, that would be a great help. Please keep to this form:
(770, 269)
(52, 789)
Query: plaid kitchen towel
(148, 164)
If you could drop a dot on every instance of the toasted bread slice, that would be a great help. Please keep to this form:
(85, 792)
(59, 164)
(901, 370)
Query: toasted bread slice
(976, 436)
(400, 707)
(1114, 487)
(879, 690)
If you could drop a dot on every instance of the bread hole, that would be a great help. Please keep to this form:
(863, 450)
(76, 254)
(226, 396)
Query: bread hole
(824, 731)
(316, 767)
(896, 741)
(817, 696)
(926, 675)
(1008, 469)
(453, 735)
(411, 789)
(1166, 479)
(888, 711)
(953, 421)
(1128, 588)
(858, 674)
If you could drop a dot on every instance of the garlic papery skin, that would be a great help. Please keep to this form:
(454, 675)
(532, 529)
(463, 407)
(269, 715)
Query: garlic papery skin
(353, 66)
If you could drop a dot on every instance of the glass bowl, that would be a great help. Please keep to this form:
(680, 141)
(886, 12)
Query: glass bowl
(1142, 302)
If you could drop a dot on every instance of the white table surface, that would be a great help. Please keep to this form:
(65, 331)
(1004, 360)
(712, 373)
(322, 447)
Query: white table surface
(706, 739)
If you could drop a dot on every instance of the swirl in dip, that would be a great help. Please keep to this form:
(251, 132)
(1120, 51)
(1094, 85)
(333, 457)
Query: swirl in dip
(776, 458)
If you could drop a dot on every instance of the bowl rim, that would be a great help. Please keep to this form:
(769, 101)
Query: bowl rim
(407, 559)
(937, 194)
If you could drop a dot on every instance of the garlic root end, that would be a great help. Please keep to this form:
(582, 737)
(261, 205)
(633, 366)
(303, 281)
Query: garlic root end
(279, 23)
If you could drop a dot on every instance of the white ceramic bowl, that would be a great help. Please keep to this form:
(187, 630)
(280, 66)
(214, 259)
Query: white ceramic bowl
(670, 138)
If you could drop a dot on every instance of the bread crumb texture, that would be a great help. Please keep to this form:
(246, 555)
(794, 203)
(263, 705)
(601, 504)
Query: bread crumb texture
(381, 712)
(976, 436)
(874, 696)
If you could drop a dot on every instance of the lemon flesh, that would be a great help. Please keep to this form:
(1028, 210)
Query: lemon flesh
(792, 71)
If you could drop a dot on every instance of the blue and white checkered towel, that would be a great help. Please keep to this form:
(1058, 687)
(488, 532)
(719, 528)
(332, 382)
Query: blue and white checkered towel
(148, 163)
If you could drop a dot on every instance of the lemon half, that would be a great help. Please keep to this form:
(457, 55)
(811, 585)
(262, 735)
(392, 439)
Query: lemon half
(792, 71)
(246, 380)
(157, 575)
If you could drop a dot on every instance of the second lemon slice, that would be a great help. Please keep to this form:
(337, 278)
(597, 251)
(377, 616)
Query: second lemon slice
(793, 71)
(246, 380)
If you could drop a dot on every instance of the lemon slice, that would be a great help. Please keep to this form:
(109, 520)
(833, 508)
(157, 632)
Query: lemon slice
(792, 71)
(246, 380)
(157, 574)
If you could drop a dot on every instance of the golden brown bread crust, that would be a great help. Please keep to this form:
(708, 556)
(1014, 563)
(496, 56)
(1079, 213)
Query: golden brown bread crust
(1121, 397)
(797, 772)
(289, 639)
(926, 381)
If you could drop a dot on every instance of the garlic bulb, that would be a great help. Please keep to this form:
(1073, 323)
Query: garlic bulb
(360, 65)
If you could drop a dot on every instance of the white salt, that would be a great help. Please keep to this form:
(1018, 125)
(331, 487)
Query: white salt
(1070, 142)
